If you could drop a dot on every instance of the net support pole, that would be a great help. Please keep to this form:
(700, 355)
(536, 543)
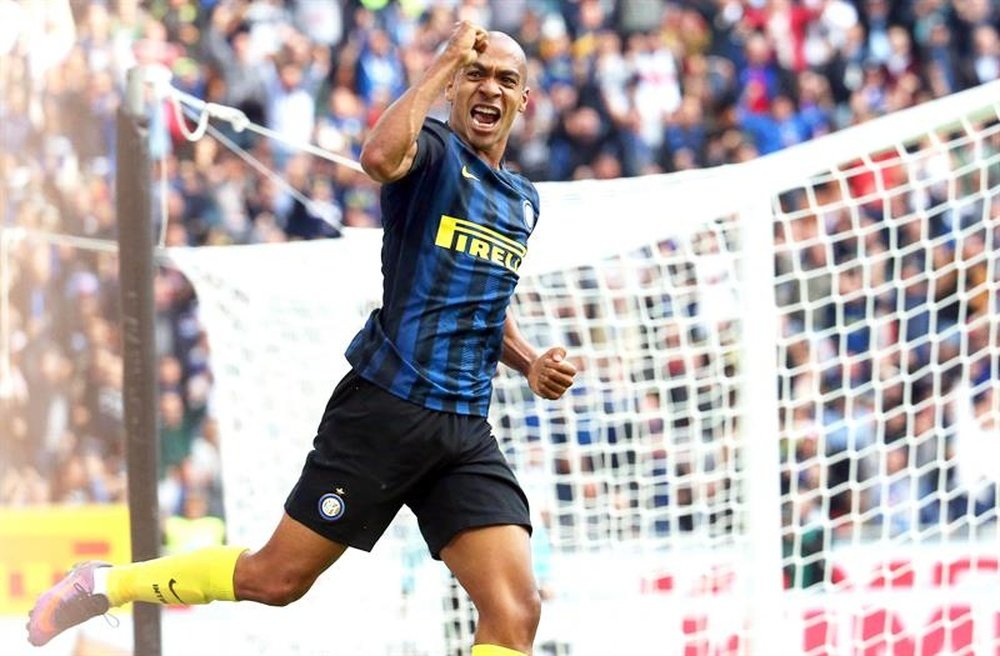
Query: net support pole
(762, 465)
(136, 271)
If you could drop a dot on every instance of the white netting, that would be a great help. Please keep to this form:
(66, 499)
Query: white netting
(655, 483)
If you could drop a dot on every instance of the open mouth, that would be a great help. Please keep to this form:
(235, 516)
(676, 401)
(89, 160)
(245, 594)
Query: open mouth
(485, 117)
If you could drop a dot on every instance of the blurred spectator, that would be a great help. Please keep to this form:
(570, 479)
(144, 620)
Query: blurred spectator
(291, 89)
(984, 65)
(760, 80)
(380, 70)
(193, 528)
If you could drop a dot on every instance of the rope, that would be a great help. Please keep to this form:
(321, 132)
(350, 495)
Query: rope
(316, 209)
(240, 122)
(59, 239)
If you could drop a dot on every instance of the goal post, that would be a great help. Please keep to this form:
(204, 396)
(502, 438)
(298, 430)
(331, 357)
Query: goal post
(760, 412)
(776, 443)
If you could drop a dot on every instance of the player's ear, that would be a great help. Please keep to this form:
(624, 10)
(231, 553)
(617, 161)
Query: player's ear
(449, 91)
(524, 99)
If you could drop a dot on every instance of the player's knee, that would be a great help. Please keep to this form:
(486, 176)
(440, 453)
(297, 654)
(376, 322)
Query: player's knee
(516, 617)
(531, 609)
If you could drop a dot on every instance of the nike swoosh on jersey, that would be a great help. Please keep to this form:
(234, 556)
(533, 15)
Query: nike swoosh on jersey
(467, 174)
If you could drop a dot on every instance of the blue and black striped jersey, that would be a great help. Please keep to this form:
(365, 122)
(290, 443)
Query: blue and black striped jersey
(456, 231)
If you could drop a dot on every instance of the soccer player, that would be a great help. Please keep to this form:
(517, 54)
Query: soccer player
(408, 423)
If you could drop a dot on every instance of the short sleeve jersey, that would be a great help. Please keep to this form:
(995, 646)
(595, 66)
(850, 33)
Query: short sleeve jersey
(455, 234)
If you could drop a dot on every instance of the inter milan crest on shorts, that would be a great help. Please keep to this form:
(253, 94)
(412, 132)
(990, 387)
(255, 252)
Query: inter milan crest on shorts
(331, 506)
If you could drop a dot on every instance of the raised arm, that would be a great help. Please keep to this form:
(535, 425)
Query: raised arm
(391, 145)
(549, 374)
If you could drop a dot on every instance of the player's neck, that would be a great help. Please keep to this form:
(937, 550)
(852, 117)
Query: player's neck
(494, 157)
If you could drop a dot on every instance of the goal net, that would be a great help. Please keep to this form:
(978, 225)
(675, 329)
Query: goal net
(784, 435)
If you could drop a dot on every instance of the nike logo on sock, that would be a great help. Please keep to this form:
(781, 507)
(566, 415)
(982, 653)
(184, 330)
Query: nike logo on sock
(174, 592)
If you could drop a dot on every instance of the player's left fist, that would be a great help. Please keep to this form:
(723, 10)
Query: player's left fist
(551, 374)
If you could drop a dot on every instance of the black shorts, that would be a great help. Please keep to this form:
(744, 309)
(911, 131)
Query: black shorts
(374, 452)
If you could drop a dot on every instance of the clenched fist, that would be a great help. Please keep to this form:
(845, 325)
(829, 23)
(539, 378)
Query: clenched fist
(551, 374)
(467, 41)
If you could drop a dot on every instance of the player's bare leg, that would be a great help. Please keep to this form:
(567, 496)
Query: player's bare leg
(493, 564)
(286, 567)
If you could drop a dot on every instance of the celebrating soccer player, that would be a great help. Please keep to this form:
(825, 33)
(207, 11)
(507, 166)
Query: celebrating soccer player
(407, 425)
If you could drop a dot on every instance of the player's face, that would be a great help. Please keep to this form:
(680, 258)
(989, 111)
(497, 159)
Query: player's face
(487, 96)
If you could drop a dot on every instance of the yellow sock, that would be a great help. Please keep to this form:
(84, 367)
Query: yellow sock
(198, 577)
(493, 650)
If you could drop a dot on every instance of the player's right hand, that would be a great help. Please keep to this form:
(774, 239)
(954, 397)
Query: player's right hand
(467, 41)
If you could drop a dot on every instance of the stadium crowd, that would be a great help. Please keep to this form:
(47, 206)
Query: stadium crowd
(622, 88)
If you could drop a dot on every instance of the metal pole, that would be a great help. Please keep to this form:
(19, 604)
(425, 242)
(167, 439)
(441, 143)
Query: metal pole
(136, 271)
